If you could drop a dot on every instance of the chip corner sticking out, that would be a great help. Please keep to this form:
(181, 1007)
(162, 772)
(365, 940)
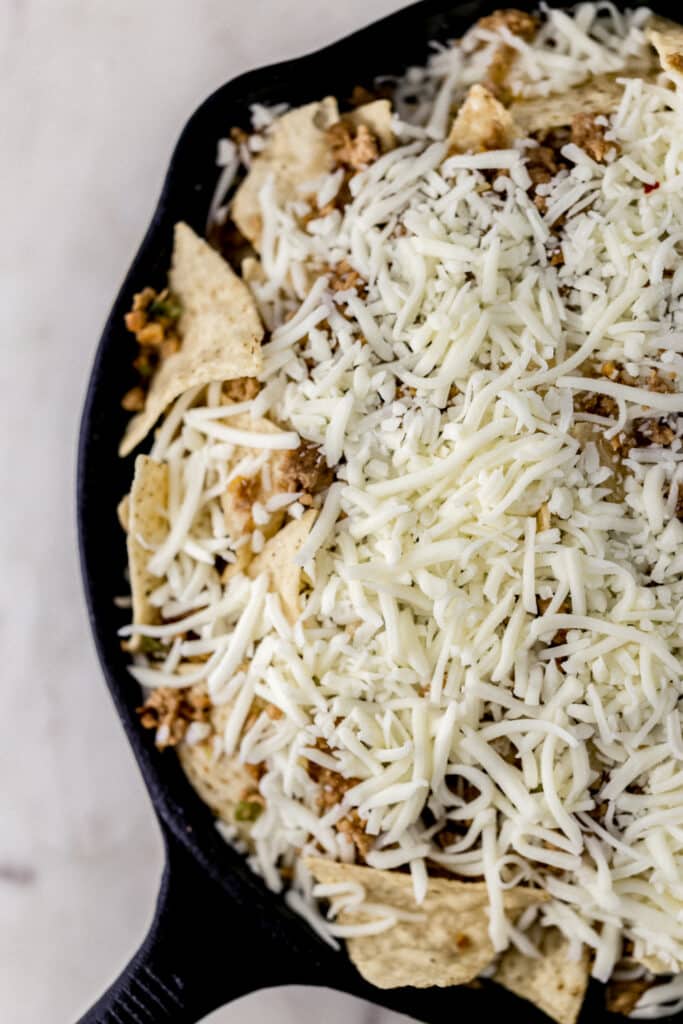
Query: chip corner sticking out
(481, 123)
(147, 529)
(667, 38)
(220, 330)
(554, 982)
(449, 946)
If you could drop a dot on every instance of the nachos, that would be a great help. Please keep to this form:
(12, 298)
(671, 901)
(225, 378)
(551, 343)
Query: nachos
(405, 552)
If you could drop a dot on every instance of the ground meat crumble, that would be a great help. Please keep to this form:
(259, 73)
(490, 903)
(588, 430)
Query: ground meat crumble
(153, 320)
(241, 389)
(343, 276)
(169, 711)
(352, 148)
(589, 135)
(304, 469)
(622, 996)
(333, 786)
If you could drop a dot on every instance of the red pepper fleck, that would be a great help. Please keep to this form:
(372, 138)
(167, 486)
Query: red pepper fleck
(650, 188)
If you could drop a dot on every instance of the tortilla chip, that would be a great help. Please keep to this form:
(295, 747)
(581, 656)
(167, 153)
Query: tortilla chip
(147, 529)
(297, 151)
(252, 271)
(599, 95)
(655, 964)
(376, 117)
(451, 946)
(482, 123)
(220, 331)
(667, 38)
(553, 983)
(221, 782)
(123, 513)
(277, 560)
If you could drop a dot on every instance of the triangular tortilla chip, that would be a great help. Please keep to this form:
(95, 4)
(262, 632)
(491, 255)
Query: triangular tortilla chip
(220, 331)
(147, 529)
(123, 512)
(376, 117)
(482, 123)
(221, 782)
(450, 946)
(277, 560)
(667, 38)
(297, 151)
(599, 95)
(554, 983)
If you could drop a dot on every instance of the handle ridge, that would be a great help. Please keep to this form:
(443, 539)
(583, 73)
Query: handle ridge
(189, 962)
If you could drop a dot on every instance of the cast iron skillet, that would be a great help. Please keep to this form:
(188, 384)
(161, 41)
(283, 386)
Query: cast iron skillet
(218, 933)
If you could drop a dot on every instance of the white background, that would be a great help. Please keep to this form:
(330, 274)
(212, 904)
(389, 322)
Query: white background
(92, 96)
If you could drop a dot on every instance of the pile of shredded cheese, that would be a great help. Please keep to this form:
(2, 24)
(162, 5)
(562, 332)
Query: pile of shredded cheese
(467, 525)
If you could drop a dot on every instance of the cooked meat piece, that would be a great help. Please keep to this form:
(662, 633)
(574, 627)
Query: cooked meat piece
(590, 136)
(482, 123)
(169, 711)
(333, 786)
(304, 469)
(343, 276)
(544, 161)
(596, 404)
(352, 148)
(543, 518)
(560, 637)
(520, 23)
(622, 996)
(152, 320)
(241, 389)
(353, 826)
(647, 432)
(134, 400)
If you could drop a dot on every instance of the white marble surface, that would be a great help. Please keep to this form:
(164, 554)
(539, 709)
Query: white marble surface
(92, 96)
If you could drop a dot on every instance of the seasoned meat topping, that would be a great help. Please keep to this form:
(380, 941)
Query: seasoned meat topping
(353, 148)
(304, 469)
(519, 23)
(622, 996)
(605, 405)
(152, 319)
(241, 389)
(544, 161)
(343, 276)
(169, 711)
(589, 135)
(333, 786)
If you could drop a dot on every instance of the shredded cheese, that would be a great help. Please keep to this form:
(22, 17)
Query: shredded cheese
(492, 628)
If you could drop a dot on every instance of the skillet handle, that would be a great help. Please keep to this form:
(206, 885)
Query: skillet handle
(200, 952)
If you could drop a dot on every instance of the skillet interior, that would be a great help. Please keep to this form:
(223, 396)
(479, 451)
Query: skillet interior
(288, 950)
